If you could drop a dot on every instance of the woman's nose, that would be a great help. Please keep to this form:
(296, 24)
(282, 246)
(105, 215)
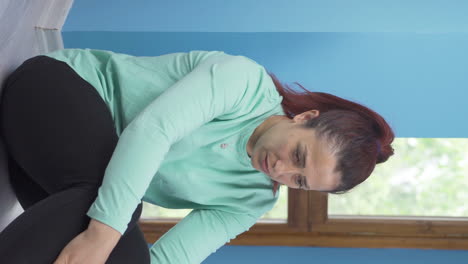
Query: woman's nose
(283, 170)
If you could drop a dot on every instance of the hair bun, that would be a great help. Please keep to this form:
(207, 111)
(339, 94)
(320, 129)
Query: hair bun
(384, 153)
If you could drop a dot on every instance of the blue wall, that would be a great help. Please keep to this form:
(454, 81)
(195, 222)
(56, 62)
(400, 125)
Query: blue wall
(428, 16)
(405, 59)
(418, 82)
(408, 61)
(306, 255)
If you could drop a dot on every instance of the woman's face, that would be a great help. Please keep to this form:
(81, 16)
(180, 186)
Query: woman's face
(295, 156)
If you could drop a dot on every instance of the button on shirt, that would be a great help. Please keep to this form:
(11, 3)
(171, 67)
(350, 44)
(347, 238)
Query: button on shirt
(183, 121)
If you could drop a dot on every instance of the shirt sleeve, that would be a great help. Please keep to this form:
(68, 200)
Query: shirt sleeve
(198, 235)
(214, 87)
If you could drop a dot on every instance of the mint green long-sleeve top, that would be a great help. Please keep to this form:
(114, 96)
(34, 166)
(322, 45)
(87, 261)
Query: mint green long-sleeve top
(183, 121)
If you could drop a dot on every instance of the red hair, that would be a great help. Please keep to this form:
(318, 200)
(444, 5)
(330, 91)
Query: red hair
(360, 137)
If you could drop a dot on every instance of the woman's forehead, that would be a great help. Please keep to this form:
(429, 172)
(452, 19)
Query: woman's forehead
(320, 160)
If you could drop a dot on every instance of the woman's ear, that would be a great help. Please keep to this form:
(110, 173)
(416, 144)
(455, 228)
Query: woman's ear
(315, 112)
(303, 117)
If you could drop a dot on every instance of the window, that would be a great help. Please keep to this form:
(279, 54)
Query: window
(425, 177)
(414, 200)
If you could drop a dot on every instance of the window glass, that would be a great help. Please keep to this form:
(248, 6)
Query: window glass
(425, 177)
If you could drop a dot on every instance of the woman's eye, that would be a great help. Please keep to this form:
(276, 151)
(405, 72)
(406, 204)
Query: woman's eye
(297, 156)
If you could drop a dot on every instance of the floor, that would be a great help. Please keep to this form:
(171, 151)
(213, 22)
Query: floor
(27, 28)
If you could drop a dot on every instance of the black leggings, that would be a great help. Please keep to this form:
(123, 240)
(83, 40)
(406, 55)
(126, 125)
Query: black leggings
(59, 137)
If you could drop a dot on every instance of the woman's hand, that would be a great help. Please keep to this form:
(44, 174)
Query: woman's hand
(92, 246)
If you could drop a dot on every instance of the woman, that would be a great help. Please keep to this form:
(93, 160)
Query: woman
(90, 134)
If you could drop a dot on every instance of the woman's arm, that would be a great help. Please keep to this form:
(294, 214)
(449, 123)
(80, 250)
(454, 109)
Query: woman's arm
(103, 232)
(213, 88)
(93, 245)
(199, 234)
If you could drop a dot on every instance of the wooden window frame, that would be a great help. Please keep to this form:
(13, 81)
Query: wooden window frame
(309, 224)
